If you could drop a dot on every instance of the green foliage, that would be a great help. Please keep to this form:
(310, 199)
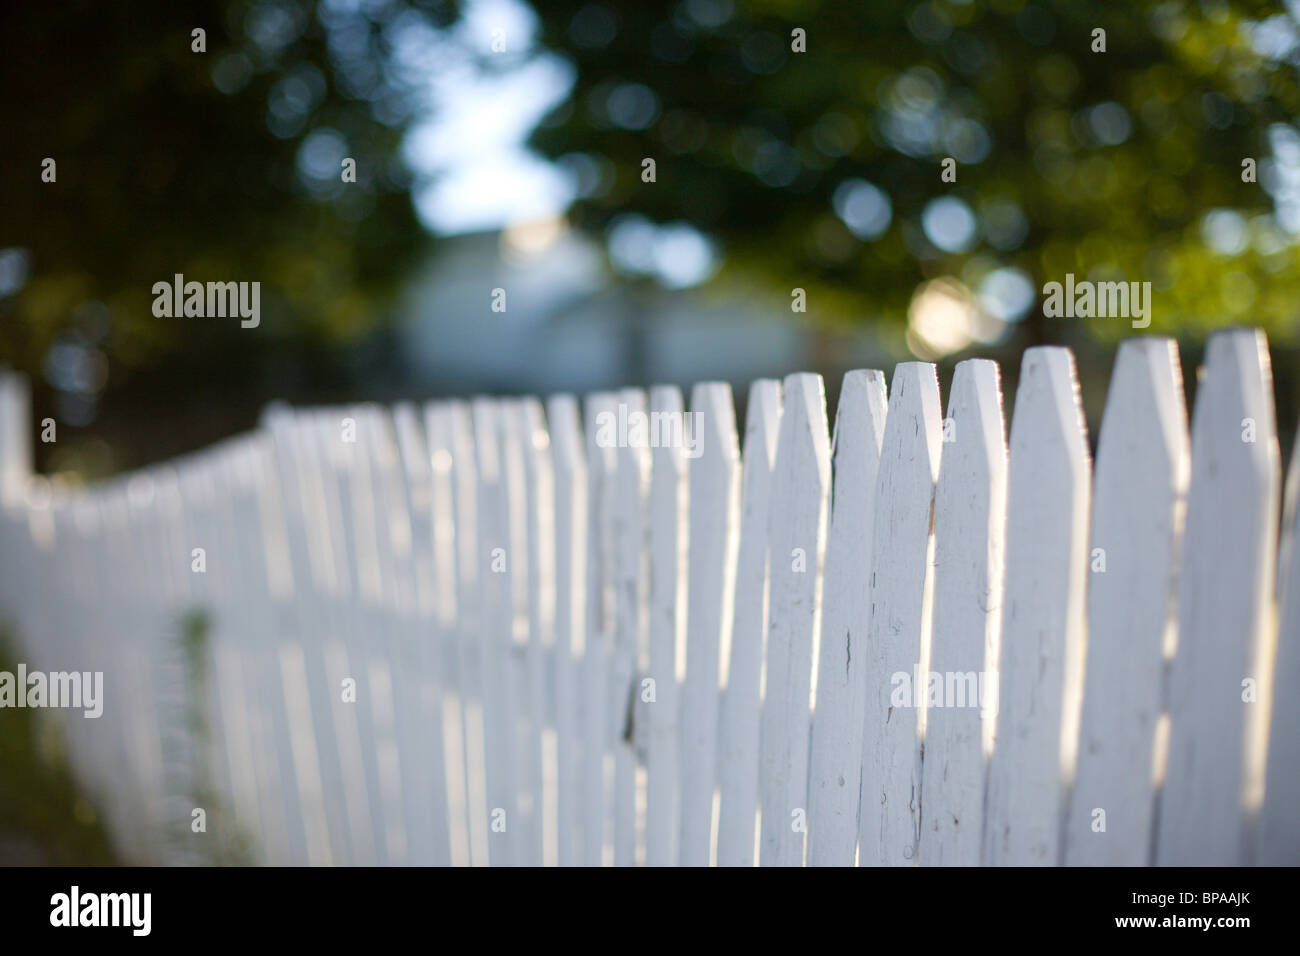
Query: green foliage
(752, 140)
(175, 161)
(223, 843)
(45, 819)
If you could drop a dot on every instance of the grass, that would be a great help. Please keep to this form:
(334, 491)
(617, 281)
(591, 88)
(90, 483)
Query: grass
(45, 818)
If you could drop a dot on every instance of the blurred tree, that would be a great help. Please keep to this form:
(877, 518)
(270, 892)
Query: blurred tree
(221, 160)
(821, 167)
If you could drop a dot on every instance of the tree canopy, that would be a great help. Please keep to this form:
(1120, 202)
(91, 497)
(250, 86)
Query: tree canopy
(808, 138)
(218, 156)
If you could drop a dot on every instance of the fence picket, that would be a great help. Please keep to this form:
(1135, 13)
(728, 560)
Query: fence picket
(1213, 783)
(969, 551)
(425, 640)
(1279, 828)
(667, 533)
(836, 760)
(797, 533)
(897, 635)
(570, 619)
(630, 593)
(539, 510)
(1138, 488)
(598, 648)
(1041, 656)
(516, 663)
(451, 510)
(714, 490)
(742, 652)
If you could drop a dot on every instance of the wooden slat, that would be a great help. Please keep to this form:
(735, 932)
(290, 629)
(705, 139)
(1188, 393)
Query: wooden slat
(667, 533)
(969, 551)
(537, 746)
(713, 522)
(742, 650)
(1041, 659)
(1214, 776)
(450, 512)
(468, 558)
(570, 618)
(1279, 828)
(426, 642)
(598, 651)
(631, 590)
(518, 662)
(496, 561)
(836, 760)
(797, 530)
(1138, 491)
(897, 647)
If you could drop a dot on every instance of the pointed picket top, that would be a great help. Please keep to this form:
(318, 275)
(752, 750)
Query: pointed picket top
(1139, 484)
(969, 548)
(564, 427)
(836, 759)
(412, 448)
(1278, 842)
(741, 657)
(763, 421)
(1041, 656)
(797, 529)
(487, 446)
(897, 639)
(601, 448)
(713, 529)
(1220, 675)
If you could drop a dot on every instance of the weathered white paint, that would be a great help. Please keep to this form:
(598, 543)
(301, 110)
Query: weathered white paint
(1279, 828)
(1041, 658)
(536, 744)
(836, 761)
(424, 644)
(570, 467)
(498, 557)
(897, 646)
(1138, 493)
(373, 560)
(630, 612)
(969, 558)
(797, 536)
(467, 548)
(598, 650)
(713, 523)
(448, 612)
(1214, 779)
(742, 655)
(657, 702)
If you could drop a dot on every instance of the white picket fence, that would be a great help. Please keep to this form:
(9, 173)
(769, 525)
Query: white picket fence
(473, 633)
